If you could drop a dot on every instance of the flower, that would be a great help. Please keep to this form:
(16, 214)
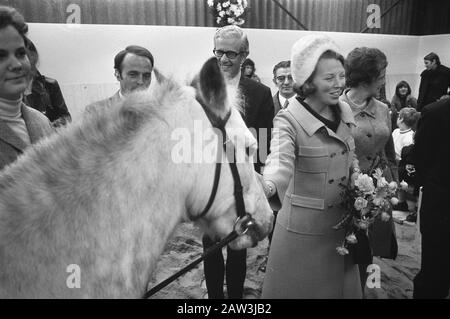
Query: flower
(364, 203)
(228, 12)
(351, 239)
(342, 250)
(378, 174)
(404, 186)
(385, 216)
(382, 182)
(393, 186)
(362, 224)
(360, 203)
(394, 201)
(378, 201)
(365, 184)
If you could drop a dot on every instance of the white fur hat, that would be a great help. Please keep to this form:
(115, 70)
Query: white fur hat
(305, 54)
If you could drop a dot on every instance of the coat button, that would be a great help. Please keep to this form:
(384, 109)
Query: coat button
(332, 155)
(343, 178)
(330, 205)
(369, 135)
(369, 158)
(343, 152)
(331, 181)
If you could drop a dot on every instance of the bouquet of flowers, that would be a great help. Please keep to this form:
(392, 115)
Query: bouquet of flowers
(228, 12)
(370, 197)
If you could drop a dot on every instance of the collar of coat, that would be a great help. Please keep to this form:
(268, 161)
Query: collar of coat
(34, 130)
(370, 109)
(311, 124)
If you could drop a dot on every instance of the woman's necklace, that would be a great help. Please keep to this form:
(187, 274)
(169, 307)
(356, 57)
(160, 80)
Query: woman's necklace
(358, 106)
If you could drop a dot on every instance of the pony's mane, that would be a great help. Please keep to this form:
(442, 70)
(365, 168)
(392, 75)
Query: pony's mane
(106, 131)
(126, 117)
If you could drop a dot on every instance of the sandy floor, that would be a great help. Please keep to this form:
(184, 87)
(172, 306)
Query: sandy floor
(185, 246)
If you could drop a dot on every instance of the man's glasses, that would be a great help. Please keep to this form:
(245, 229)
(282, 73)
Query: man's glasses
(283, 78)
(229, 54)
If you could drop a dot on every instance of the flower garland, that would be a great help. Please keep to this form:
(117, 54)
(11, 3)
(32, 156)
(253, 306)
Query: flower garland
(228, 12)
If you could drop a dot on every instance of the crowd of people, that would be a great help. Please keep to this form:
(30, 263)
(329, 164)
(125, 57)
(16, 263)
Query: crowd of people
(328, 125)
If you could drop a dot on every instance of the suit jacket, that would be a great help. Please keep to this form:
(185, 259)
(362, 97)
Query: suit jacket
(276, 103)
(431, 155)
(12, 146)
(258, 112)
(102, 104)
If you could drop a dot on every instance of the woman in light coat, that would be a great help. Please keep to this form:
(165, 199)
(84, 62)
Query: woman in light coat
(312, 153)
(365, 71)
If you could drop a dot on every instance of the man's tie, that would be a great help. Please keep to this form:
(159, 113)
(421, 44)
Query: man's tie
(286, 103)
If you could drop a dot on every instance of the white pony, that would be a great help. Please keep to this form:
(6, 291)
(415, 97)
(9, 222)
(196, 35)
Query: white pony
(100, 199)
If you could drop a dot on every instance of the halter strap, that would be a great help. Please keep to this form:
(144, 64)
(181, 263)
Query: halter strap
(238, 190)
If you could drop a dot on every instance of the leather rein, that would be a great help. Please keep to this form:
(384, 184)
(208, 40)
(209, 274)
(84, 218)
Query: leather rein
(244, 220)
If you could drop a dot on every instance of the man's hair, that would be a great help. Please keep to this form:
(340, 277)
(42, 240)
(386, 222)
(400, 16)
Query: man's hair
(281, 65)
(234, 32)
(134, 49)
(364, 65)
(432, 56)
(409, 116)
(11, 17)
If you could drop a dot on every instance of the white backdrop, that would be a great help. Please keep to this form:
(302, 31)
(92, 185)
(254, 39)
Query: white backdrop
(81, 57)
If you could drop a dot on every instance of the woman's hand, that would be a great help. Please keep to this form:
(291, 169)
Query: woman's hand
(267, 187)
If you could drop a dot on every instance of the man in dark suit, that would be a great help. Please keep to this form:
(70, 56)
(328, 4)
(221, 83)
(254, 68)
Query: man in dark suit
(133, 69)
(283, 80)
(231, 48)
(431, 157)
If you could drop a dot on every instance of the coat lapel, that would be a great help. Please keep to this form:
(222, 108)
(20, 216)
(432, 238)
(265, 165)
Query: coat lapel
(7, 135)
(243, 97)
(34, 129)
(276, 103)
(311, 124)
(347, 121)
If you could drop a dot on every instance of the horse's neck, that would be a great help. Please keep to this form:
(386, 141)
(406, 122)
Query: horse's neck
(154, 195)
(115, 219)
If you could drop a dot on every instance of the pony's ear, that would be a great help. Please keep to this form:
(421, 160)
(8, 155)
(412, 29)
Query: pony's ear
(213, 89)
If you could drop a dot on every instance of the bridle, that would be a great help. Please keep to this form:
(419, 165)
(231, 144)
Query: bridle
(238, 194)
(244, 220)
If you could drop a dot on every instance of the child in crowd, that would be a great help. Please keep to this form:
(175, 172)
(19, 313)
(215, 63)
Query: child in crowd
(403, 138)
(403, 135)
